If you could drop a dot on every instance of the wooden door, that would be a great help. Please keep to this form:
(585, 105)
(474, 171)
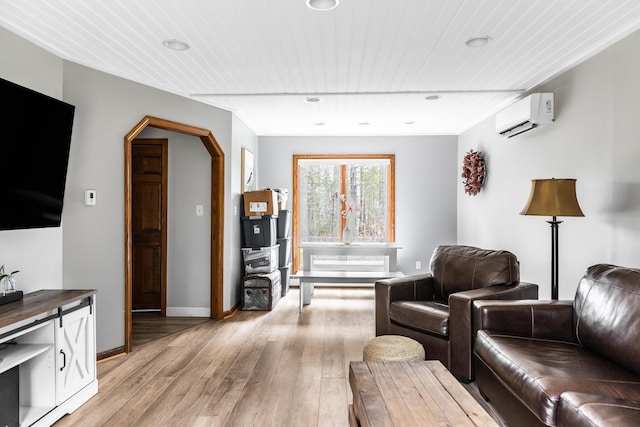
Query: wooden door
(149, 224)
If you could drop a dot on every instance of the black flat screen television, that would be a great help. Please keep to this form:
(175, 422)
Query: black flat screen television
(35, 139)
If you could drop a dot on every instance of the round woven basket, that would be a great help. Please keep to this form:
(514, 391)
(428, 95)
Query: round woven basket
(393, 348)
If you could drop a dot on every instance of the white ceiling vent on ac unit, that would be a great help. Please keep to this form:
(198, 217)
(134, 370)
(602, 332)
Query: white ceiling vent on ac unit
(526, 114)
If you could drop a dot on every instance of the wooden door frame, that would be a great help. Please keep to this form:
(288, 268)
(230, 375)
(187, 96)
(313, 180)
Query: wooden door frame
(391, 189)
(217, 214)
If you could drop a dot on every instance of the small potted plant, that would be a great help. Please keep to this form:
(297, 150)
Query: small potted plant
(8, 280)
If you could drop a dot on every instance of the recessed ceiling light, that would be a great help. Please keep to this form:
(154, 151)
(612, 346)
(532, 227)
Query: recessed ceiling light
(319, 123)
(311, 99)
(410, 122)
(174, 44)
(364, 123)
(323, 5)
(478, 41)
(432, 97)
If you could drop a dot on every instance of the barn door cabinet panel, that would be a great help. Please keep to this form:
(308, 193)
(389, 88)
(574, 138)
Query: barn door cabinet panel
(47, 356)
(75, 353)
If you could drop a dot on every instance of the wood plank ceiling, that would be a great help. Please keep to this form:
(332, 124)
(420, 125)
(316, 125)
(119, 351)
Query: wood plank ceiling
(371, 62)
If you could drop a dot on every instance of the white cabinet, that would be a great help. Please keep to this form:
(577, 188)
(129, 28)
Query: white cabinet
(49, 337)
(75, 352)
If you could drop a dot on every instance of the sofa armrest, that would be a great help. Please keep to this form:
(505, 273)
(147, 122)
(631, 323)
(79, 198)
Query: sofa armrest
(533, 319)
(461, 329)
(408, 288)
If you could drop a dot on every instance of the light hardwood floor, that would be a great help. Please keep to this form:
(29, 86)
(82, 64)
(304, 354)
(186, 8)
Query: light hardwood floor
(147, 327)
(277, 368)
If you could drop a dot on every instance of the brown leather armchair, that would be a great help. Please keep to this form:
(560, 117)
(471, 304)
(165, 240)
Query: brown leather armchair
(435, 308)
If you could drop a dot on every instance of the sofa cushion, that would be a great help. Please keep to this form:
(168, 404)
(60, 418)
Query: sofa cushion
(606, 313)
(426, 316)
(587, 409)
(538, 371)
(458, 268)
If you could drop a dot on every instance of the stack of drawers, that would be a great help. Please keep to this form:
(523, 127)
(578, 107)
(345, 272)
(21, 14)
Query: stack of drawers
(261, 285)
(266, 250)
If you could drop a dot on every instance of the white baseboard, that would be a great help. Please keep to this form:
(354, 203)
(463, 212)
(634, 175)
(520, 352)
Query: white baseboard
(188, 312)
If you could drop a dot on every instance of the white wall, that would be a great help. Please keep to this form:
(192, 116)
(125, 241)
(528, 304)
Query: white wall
(188, 235)
(88, 250)
(242, 137)
(107, 108)
(595, 140)
(36, 253)
(426, 176)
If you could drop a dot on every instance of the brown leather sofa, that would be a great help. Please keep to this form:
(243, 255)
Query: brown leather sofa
(564, 363)
(435, 308)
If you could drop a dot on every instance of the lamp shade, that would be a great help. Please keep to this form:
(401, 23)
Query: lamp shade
(553, 197)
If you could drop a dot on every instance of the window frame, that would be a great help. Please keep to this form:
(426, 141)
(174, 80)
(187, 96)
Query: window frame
(391, 229)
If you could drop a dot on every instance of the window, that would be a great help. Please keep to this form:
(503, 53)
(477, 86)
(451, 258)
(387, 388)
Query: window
(331, 192)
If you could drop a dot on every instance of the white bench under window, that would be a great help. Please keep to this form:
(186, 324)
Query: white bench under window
(340, 263)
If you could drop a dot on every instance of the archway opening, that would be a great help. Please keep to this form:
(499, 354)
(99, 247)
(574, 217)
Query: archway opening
(217, 213)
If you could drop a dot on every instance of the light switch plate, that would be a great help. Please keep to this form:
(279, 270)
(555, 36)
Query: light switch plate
(90, 197)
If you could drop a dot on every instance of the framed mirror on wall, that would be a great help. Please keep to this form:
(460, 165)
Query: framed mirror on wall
(248, 172)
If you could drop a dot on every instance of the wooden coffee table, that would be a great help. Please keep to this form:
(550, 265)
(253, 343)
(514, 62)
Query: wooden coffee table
(411, 394)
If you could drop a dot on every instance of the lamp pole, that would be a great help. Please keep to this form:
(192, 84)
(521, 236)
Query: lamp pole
(553, 197)
(554, 257)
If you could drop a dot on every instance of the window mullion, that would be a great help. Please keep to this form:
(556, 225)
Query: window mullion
(343, 190)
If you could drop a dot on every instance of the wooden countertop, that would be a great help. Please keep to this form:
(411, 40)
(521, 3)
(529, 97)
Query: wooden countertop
(42, 301)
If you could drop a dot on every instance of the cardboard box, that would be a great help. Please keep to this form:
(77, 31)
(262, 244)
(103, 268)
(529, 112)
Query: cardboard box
(263, 202)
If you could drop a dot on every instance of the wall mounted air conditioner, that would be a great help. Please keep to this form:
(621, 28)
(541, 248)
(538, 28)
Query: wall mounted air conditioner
(525, 115)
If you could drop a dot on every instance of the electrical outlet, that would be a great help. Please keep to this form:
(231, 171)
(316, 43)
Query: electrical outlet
(199, 210)
(418, 265)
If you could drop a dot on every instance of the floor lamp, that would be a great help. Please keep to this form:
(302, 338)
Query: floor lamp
(554, 198)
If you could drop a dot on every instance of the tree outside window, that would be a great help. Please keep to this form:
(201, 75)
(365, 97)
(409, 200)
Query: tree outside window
(333, 191)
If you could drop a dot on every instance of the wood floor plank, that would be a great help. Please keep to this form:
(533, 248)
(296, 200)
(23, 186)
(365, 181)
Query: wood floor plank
(278, 405)
(139, 403)
(171, 407)
(333, 352)
(333, 407)
(226, 396)
(306, 397)
(147, 327)
(253, 397)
